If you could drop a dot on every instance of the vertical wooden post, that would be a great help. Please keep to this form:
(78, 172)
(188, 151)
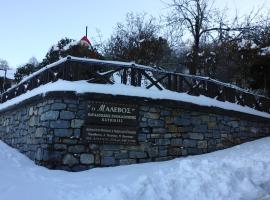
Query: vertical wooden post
(124, 77)
(169, 81)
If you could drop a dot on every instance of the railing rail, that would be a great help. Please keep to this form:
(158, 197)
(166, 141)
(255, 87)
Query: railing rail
(99, 71)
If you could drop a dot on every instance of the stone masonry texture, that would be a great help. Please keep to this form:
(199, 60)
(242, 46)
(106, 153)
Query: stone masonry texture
(48, 129)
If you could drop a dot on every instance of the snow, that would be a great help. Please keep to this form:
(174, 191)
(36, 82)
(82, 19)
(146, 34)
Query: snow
(264, 51)
(55, 48)
(244, 44)
(81, 87)
(71, 44)
(241, 172)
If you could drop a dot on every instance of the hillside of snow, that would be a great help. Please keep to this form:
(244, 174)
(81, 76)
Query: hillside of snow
(242, 172)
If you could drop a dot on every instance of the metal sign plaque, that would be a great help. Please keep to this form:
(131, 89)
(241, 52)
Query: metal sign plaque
(110, 135)
(111, 123)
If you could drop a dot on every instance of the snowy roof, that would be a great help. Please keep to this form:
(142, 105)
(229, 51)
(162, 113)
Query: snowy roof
(10, 73)
(84, 38)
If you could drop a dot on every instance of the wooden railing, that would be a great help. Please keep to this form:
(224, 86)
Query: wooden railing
(100, 71)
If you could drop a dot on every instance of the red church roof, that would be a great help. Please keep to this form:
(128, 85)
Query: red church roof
(84, 38)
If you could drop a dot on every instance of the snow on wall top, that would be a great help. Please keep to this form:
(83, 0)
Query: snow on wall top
(81, 87)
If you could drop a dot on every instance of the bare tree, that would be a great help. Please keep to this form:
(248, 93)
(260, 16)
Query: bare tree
(196, 17)
(203, 22)
(3, 64)
(137, 39)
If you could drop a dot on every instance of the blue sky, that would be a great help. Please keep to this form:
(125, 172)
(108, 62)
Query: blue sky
(30, 27)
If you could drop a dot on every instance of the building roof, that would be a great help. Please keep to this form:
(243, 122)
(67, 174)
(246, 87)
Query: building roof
(85, 39)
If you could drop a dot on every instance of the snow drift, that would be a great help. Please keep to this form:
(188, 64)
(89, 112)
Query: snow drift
(241, 172)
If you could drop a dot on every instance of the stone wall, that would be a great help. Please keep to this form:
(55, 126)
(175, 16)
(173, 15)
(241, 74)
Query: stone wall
(48, 129)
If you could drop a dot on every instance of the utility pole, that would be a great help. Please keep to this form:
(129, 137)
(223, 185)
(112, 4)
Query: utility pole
(86, 30)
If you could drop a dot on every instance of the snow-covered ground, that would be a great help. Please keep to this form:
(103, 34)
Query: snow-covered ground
(242, 172)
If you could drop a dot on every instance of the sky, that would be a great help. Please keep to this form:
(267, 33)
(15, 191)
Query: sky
(30, 27)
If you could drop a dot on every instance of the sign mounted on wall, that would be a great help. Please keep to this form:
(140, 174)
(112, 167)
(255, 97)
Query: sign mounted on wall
(111, 123)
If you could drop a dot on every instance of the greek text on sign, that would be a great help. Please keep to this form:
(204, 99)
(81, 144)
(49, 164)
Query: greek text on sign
(112, 113)
(110, 135)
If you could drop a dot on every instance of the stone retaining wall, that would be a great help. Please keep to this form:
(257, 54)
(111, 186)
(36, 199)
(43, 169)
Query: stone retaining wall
(48, 129)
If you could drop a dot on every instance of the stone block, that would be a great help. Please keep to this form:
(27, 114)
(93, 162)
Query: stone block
(50, 115)
(108, 161)
(205, 118)
(137, 154)
(153, 151)
(212, 125)
(33, 121)
(40, 132)
(127, 161)
(155, 123)
(106, 153)
(39, 154)
(58, 106)
(77, 133)
(216, 134)
(163, 141)
(81, 114)
(202, 144)
(152, 115)
(190, 143)
(169, 119)
(76, 149)
(69, 141)
(144, 108)
(159, 130)
(167, 135)
(121, 155)
(77, 123)
(196, 136)
(165, 113)
(70, 101)
(60, 146)
(175, 152)
(176, 142)
(163, 153)
(112, 147)
(31, 111)
(87, 159)
(66, 115)
(154, 109)
(142, 137)
(143, 124)
(70, 160)
(78, 168)
(200, 128)
(234, 124)
(173, 128)
(196, 120)
(60, 124)
(194, 151)
(63, 132)
(181, 121)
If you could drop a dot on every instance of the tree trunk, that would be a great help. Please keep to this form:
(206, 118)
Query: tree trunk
(195, 57)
